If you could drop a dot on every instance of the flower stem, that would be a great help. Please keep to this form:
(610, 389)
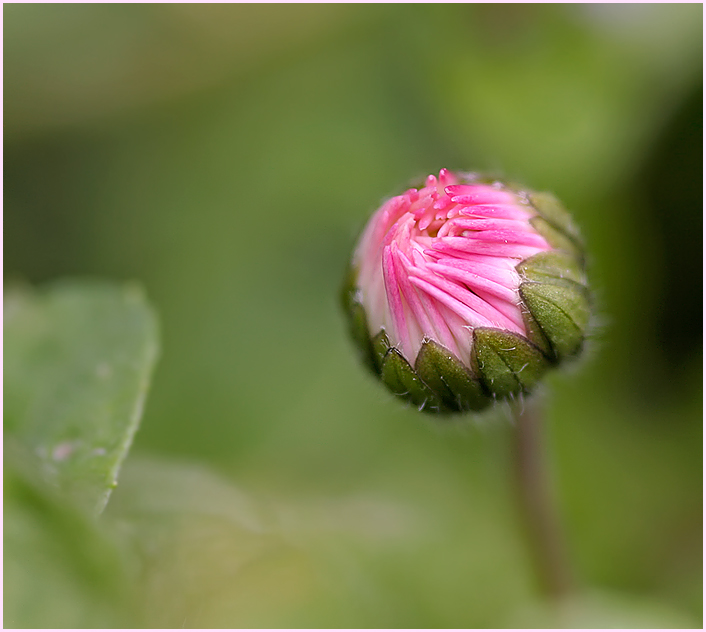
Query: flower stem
(536, 503)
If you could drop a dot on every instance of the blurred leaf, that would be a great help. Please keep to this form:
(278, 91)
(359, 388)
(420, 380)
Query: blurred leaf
(78, 358)
(59, 572)
(210, 555)
(160, 487)
(216, 556)
(600, 610)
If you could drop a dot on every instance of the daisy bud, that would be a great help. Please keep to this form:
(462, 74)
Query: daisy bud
(465, 290)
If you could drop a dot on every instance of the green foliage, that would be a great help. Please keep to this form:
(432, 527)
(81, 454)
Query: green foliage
(78, 359)
(60, 570)
(210, 554)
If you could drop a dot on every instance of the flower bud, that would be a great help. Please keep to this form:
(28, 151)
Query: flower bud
(466, 290)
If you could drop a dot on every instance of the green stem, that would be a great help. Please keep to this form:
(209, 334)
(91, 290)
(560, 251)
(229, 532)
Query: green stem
(536, 502)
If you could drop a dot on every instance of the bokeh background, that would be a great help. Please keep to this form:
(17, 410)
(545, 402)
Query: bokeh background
(226, 156)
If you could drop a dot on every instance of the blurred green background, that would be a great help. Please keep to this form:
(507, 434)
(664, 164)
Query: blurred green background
(226, 156)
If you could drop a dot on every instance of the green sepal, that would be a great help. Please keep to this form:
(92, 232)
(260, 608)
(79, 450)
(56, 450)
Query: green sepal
(562, 310)
(556, 238)
(550, 265)
(506, 363)
(452, 381)
(535, 334)
(357, 320)
(381, 343)
(553, 211)
(400, 378)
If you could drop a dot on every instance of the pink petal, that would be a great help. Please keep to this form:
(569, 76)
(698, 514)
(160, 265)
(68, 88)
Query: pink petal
(463, 244)
(525, 238)
(479, 194)
(461, 294)
(474, 281)
(504, 211)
